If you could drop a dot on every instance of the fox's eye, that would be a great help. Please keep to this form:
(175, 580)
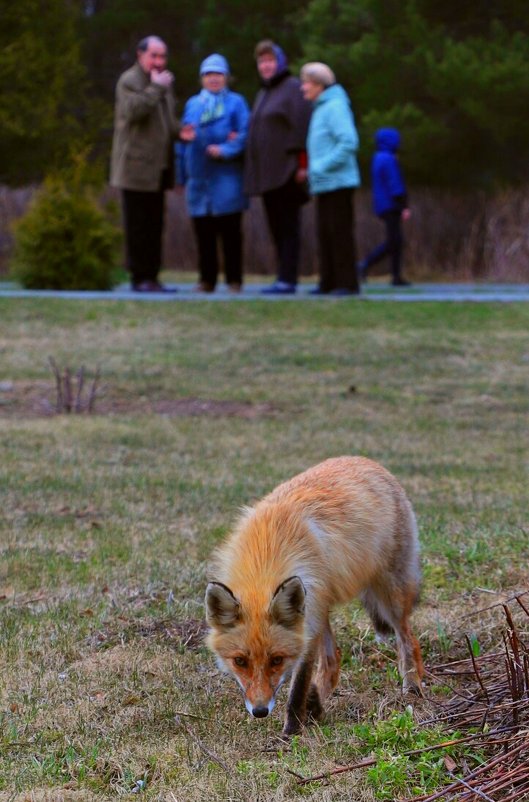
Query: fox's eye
(277, 660)
(241, 662)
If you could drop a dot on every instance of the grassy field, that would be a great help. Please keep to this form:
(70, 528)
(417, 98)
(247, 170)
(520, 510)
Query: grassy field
(108, 520)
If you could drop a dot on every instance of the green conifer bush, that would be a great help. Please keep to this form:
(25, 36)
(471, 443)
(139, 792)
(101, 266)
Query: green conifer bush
(65, 241)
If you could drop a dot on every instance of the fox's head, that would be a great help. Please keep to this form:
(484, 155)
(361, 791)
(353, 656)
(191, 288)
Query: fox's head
(258, 643)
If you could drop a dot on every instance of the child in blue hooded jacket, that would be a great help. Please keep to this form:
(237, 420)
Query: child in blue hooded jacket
(390, 204)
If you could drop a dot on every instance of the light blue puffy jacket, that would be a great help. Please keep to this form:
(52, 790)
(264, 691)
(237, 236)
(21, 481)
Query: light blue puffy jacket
(332, 143)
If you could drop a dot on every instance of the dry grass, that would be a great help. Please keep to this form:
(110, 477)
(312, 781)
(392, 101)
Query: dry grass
(461, 237)
(108, 520)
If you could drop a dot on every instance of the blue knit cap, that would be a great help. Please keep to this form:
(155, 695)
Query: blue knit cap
(215, 63)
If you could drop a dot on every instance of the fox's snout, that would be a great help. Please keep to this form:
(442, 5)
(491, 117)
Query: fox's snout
(259, 709)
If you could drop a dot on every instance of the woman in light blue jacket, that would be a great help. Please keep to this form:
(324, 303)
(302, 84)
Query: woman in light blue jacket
(333, 175)
(213, 138)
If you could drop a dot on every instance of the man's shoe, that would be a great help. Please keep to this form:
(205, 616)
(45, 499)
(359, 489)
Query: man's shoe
(279, 288)
(204, 286)
(400, 282)
(318, 291)
(234, 286)
(151, 286)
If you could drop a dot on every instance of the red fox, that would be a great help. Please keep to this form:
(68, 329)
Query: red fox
(341, 529)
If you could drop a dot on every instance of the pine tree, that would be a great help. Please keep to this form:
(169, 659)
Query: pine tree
(42, 83)
(453, 78)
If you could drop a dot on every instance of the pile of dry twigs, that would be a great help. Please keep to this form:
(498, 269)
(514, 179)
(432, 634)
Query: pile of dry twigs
(488, 706)
(491, 698)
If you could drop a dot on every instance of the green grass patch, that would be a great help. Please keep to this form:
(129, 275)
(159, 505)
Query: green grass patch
(408, 760)
(108, 522)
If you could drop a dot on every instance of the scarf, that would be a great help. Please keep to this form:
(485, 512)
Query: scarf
(212, 105)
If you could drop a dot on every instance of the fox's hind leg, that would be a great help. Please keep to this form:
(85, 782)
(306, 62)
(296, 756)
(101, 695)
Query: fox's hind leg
(409, 656)
(390, 609)
(371, 603)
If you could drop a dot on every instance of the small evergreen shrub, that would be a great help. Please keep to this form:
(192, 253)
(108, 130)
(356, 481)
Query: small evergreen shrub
(65, 241)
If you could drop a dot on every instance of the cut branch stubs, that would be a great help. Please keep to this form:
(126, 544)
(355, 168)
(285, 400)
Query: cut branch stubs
(74, 395)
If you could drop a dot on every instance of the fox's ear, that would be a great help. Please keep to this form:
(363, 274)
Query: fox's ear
(222, 608)
(288, 604)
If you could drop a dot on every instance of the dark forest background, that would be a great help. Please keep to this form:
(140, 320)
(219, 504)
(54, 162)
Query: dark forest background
(454, 77)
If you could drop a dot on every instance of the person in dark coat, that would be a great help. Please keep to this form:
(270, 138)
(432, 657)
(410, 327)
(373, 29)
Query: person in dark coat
(275, 161)
(145, 126)
(390, 203)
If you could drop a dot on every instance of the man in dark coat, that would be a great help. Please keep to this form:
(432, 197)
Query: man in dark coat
(142, 163)
(275, 164)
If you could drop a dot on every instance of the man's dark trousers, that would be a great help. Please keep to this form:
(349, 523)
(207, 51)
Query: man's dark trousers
(143, 214)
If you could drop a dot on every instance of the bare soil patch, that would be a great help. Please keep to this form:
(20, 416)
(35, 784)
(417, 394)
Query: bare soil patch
(188, 635)
(25, 399)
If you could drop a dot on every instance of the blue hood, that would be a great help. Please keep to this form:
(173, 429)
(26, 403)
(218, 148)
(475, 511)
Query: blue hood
(282, 62)
(387, 139)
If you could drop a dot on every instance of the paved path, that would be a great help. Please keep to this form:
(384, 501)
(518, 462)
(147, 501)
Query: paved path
(497, 293)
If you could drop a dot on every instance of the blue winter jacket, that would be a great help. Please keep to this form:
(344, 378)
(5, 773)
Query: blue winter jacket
(389, 189)
(332, 142)
(214, 186)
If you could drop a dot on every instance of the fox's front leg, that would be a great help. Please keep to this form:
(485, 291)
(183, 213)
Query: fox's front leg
(327, 671)
(298, 697)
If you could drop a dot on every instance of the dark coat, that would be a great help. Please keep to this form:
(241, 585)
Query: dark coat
(144, 128)
(278, 133)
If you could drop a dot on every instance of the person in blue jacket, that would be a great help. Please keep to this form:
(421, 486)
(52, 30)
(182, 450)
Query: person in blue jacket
(390, 204)
(333, 174)
(213, 138)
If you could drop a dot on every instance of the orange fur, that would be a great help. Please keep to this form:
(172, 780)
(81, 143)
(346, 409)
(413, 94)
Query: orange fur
(342, 529)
